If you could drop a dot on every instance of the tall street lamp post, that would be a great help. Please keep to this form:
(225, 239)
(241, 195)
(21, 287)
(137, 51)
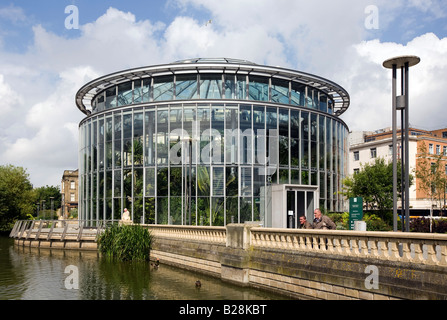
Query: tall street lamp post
(401, 103)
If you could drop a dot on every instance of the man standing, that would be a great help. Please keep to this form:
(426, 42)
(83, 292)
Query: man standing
(322, 222)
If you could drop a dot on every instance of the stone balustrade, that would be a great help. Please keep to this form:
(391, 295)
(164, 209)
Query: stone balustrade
(195, 233)
(420, 248)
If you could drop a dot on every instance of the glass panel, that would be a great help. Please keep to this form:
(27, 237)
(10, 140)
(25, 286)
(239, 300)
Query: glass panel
(127, 140)
(138, 183)
(111, 97)
(176, 181)
(246, 182)
(149, 137)
(323, 102)
(162, 210)
(117, 209)
(117, 183)
(232, 208)
(137, 213)
(127, 184)
(297, 94)
(246, 210)
(100, 102)
(186, 87)
(163, 88)
(210, 86)
(294, 124)
(162, 137)
(175, 211)
(246, 145)
(150, 182)
(137, 92)
(138, 139)
(230, 87)
(217, 211)
(146, 90)
(218, 181)
(101, 144)
(162, 182)
(124, 94)
(241, 87)
(149, 210)
(280, 91)
(258, 88)
(321, 140)
(283, 176)
(231, 135)
(203, 180)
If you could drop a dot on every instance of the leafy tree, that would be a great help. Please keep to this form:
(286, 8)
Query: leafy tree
(431, 175)
(16, 193)
(374, 183)
(47, 194)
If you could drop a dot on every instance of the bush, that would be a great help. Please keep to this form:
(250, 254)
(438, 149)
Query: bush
(126, 242)
(423, 225)
(375, 223)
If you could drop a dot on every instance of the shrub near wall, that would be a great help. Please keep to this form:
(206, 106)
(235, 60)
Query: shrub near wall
(423, 225)
(126, 242)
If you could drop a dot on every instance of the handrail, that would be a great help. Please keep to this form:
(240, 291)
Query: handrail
(422, 248)
(213, 234)
(76, 229)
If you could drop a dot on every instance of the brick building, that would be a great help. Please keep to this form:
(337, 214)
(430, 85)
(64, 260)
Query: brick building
(69, 190)
(366, 146)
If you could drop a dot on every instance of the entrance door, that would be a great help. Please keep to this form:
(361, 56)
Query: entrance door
(299, 203)
(289, 202)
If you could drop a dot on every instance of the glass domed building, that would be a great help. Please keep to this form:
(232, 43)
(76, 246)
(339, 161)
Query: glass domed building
(211, 142)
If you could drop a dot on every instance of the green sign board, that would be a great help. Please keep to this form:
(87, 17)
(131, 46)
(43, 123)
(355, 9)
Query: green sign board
(355, 211)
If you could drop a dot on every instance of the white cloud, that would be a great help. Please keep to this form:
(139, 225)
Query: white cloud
(37, 88)
(369, 83)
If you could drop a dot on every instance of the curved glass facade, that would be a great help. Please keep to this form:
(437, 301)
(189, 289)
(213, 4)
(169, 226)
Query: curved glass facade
(205, 148)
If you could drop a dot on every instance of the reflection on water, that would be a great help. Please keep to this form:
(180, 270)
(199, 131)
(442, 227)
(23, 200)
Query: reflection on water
(31, 273)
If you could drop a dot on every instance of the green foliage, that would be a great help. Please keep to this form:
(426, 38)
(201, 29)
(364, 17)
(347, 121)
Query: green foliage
(46, 193)
(126, 242)
(15, 194)
(374, 183)
(376, 223)
(423, 225)
(373, 221)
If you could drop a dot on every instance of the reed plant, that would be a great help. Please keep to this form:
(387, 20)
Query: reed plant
(126, 242)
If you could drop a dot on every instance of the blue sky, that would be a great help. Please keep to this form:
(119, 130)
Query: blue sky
(43, 64)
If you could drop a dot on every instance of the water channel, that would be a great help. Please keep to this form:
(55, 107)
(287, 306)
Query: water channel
(45, 274)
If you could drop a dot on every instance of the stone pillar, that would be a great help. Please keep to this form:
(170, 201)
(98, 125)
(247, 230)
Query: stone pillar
(236, 259)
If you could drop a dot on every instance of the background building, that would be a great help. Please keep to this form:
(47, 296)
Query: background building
(211, 141)
(366, 146)
(69, 191)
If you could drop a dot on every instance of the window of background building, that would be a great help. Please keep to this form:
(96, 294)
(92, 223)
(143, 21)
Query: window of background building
(438, 149)
(356, 156)
(72, 197)
(444, 148)
(373, 152)
(430, 148)
(390, 150)
(72, 185)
